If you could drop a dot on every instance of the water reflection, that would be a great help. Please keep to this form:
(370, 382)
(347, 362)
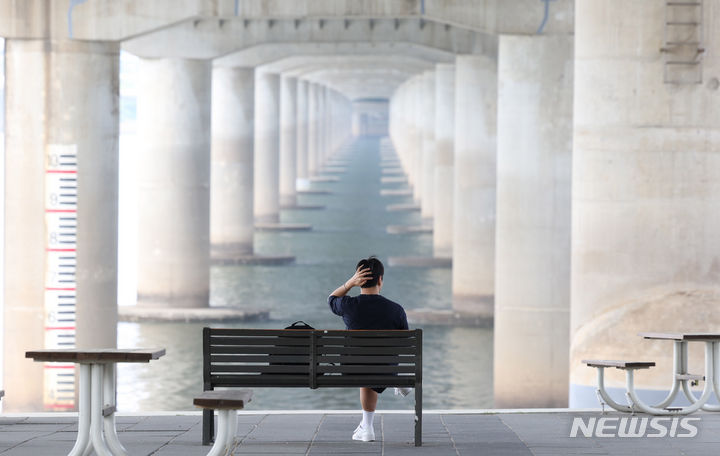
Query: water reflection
(458, 361)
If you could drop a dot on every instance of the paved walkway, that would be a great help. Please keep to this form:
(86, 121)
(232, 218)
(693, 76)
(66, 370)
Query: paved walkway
(316, 433)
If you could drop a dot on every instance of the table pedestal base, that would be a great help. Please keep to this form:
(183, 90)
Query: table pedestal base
(96, 423)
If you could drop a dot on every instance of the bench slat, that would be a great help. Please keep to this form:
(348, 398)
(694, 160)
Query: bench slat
(249, 368)
(328, 350)
(213, 349)
(399, 333)
(618, 363)
(259, 359)
(261, 332)
(369, 381)
(300, 381)
(371, 359)
(369, 369)
(366, 342)
(272, 341)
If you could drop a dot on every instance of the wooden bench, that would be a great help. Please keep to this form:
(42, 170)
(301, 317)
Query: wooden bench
(227, 403)
(296, 358)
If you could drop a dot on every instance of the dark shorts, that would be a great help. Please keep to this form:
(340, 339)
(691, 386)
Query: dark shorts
(378, 390)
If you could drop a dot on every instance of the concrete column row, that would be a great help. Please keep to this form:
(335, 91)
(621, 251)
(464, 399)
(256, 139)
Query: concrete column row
(644, 205)
(211, 159)
(496, 151)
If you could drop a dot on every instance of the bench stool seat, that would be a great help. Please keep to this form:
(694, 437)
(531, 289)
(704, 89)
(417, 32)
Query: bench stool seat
(619, 364)
(227, 403)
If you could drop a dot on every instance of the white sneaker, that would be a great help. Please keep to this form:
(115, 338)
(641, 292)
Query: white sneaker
(364, 435)
(402, 391)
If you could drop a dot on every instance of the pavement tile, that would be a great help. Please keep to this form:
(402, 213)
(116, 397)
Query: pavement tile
(538, 434)
(156, 423)
(272, 448)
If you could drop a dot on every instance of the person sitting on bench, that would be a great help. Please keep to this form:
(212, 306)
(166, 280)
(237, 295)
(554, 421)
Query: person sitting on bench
(369, 310)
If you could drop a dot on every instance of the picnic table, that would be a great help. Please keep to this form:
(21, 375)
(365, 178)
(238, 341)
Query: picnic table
(97, 398)
(681, 378)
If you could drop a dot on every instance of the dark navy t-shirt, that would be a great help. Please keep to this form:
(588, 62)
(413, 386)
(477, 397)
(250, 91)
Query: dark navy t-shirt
(368, 312)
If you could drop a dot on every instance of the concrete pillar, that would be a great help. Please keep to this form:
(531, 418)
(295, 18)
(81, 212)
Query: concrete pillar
(312, 132)
(532, 257)
(231, 194)
(61, 206)
(406, 135)
(444, 143)
(322, 127)
(173, 178)
(474, 186)
(646, 186)
(267, 144)
(288, 136)
(417, 114)
(414, 137)
(428, 144)
(301, 136)
(330, 123)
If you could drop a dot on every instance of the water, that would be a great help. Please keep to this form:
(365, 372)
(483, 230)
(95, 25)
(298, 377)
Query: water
(457, 361)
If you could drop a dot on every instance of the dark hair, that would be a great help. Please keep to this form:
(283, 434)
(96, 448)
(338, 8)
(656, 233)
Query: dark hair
(375, 266)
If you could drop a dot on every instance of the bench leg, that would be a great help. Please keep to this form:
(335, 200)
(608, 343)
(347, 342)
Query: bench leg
(707, 391)
(111, 437)
(220, 446)
(231, 428)
(96, 419)
(83, 437)
(208, 427)
(418, 414)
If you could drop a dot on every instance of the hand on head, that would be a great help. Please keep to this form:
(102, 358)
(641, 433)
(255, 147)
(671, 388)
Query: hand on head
(361, 276)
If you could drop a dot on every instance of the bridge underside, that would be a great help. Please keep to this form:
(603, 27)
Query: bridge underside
(563, 160)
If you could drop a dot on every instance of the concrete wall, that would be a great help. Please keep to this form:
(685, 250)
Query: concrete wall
(646, 190)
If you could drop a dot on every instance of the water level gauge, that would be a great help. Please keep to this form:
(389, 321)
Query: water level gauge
(60, 261)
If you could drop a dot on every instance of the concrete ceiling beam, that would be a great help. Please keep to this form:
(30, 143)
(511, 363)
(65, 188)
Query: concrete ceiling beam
(296, 64)
(517, 17)
(212, 38)
(270, 52)
(119, 20)
(355, 83)
(96, 20)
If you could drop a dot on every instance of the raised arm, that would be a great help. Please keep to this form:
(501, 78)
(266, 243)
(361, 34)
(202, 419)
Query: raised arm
(357, 280)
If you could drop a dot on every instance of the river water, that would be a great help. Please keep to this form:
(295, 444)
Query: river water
(457, 361)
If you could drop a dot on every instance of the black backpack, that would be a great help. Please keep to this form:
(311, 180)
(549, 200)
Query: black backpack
(299, 325)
